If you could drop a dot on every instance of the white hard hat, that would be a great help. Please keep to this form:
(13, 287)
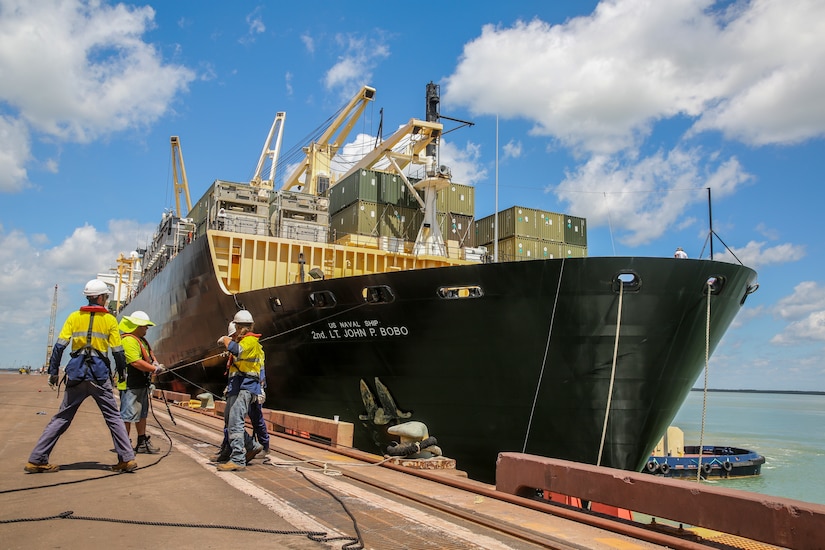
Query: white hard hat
(243, 317)
(141, 319)
(95, 287)
(232, 329)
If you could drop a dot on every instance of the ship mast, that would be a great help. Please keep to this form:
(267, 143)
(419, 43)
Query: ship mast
(429, 241)
(51, 330)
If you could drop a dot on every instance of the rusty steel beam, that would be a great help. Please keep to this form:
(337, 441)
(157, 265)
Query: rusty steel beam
(773, 520)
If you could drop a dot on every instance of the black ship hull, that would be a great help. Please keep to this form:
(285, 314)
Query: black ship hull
(520, 359)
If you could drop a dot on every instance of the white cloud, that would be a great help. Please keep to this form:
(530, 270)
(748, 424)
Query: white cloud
(354, 68)
(463, 162)
(805, 309)
(646, 197)
(811, 327)
(599, 83)
(255, 24)
(288, 83)
(757, 254)
(512, 149)
(29, 269)
(309, 43)
(75, 71)
(808, 297)
(14, 154)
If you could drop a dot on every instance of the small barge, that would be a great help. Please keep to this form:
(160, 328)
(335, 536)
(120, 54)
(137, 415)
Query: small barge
(672, 458)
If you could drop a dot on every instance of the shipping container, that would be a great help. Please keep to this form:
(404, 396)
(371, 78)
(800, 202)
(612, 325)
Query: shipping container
(551, 226)
(359, 218)
(515, 221)
(575, 251)
(457, 227)
(393, 190)
(549, 250)
(399, 222)
(360, 186)
(302, 231)
(575, 231)
(517, 249)
(457, 199)
(224, 198)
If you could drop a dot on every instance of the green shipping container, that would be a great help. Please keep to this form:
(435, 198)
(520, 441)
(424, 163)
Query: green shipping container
(517, 249)
(393, 190)
(575, 231)
(550, 226)
(516, 221)
(457, 199)
(574, 251)
(399, 222)
(550, 250)
(457, 227)
(360, 186)
(360, 218)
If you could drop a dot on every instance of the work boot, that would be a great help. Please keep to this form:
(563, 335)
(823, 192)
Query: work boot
(145, 446)
(230, 467)
(254, 451)
(223, 455)
(47, 468)
(125, 466)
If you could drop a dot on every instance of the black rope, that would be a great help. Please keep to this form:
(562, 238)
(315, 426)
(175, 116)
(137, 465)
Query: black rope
(357, 542)
(318, 536)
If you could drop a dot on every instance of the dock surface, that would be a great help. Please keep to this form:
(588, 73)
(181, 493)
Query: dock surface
(299, 496)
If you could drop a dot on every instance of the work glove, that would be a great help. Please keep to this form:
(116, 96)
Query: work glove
(220, 340)
(159, 369)
(52, 379)
(262, 397)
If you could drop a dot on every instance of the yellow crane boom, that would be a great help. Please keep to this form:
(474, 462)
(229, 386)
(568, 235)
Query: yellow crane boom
(319, 154)
(50, 339)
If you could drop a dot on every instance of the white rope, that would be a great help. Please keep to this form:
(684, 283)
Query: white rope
(705, 391)
(544, 361)
(612, 373)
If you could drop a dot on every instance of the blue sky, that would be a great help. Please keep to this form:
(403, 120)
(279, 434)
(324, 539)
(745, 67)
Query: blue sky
(620, 111)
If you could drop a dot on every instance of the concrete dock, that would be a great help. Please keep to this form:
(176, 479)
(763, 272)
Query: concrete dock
(300, 496)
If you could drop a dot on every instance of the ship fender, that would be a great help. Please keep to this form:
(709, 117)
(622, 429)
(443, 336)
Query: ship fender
(727, 466)
(411, 448)
(652, 467)
(665, 469)
(706, 467)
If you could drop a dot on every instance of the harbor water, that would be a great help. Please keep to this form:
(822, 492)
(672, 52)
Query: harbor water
(787, 429)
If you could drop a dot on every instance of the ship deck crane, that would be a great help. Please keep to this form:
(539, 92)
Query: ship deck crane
(181, 185)
(270, 152)
(316, 167)
(51, 331)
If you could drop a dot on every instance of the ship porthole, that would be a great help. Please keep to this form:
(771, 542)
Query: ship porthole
(455, 292)
(378, 294)
(324, 299)
(629, 281)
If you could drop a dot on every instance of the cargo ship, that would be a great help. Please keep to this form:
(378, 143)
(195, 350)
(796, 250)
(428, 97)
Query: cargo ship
(381, 299)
